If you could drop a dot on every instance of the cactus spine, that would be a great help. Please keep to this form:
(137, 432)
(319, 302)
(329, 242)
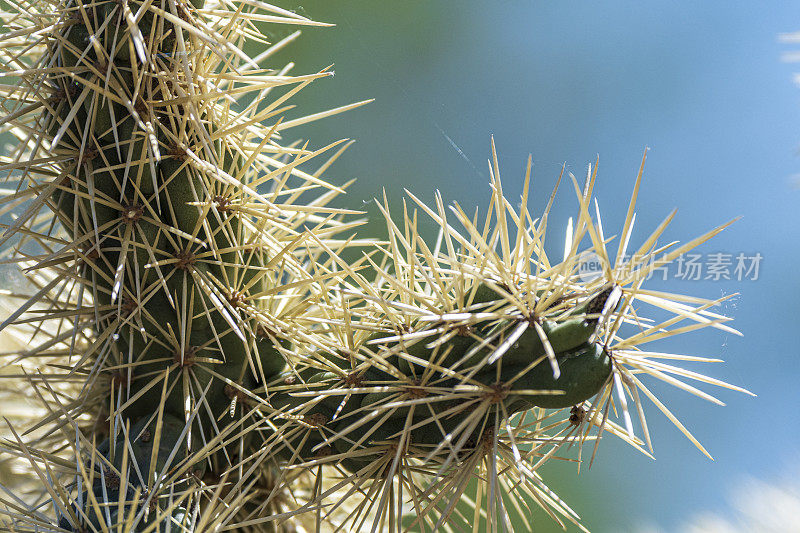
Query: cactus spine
(212, 363)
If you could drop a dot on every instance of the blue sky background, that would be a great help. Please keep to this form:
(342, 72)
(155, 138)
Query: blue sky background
(700, 83)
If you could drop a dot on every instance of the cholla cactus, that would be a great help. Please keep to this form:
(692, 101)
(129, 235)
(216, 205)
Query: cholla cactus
(202, 357)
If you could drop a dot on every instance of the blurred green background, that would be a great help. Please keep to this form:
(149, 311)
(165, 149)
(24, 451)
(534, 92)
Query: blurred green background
(700, 83)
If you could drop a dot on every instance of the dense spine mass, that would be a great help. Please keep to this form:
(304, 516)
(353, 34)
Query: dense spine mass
(211, 363)
(154, 180)
(149, 195)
